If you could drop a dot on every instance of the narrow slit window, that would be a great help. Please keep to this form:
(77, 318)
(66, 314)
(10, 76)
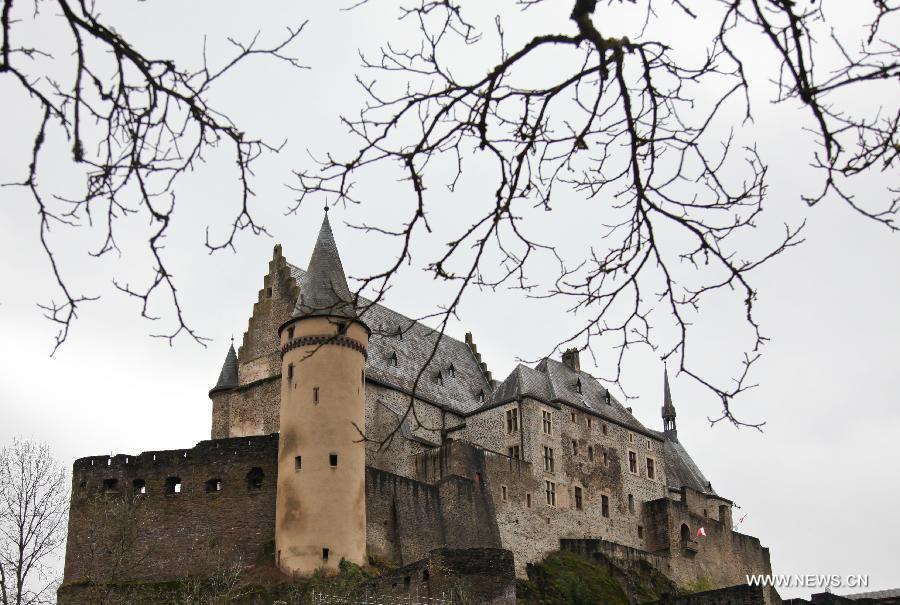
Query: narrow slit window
(298, 463)
(290, 371)
(503, 495)
(630, 503)
(290, 333)
(590, 453)
(604, 506)
(578, 498)
(528, 500)
(316, 395)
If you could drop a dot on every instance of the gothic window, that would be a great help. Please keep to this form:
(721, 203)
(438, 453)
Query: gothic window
(550, 492)
(512, 420)
(548, 459)
(547, 419)
(604, 506)
(255, 478)
(213, 485)
(578, 503)
(632, 462)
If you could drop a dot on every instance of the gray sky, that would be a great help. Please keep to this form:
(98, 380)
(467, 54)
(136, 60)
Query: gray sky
(819, 485)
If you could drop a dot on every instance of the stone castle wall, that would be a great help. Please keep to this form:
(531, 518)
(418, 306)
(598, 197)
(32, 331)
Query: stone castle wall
(172, 513)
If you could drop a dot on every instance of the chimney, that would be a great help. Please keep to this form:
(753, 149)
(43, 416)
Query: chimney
(570, 358)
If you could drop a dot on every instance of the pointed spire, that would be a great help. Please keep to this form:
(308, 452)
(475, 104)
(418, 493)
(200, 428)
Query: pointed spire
(668, 409)
(228, 377)
(324, 289)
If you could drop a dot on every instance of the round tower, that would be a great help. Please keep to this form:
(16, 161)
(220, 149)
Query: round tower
(320, 509)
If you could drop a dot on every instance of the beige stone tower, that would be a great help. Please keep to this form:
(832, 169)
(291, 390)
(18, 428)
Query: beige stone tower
(320, 510)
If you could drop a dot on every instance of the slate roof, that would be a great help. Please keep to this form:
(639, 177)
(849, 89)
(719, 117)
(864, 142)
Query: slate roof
(681, 469)
(412, 343)
(323, 289)
(228, 377)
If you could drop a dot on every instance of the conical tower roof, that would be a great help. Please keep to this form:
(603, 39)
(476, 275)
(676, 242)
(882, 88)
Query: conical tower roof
(228, 377)
(324, 290)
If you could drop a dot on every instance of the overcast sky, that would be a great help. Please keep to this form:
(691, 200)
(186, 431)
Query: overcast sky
(819, 486)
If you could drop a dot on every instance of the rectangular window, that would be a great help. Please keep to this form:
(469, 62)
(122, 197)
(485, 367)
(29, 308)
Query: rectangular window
(514, 452)
(297, 463)
(290, 333)
(590, 453)
(574, 447)
(605, 459)
(550, 492)
(630, 437)
(641, 532)
(589, 422)
(528, 500)
(632, 462)
(548, 459)
(605, 429)
(604, 505)
(332, 459)
(547, 422)
(631, 503)
(503, 493)
(512, 420)
(578, 503)
(316, 395)
(325, 554)
(574, 418)
(651, 469)
(649, 444)
(290, 371)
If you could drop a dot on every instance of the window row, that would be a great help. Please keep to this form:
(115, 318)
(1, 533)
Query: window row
(254, 480)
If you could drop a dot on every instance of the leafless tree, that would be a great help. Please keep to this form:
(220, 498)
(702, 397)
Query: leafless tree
(135, 124)
(659, 142)
(33, 507)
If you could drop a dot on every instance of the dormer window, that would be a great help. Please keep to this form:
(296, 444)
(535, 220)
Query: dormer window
(439, 378)
(451, 371)
(578, 386)
(393, 361)
(399, 333)
(480, 396)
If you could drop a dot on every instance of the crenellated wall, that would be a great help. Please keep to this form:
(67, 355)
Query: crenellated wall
(168, 514)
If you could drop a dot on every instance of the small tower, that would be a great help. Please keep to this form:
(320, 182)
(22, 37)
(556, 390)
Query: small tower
(320, 509)
(228, 379)
(668, 410)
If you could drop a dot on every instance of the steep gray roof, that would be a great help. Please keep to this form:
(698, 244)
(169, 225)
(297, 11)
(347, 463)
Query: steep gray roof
(324, 290)
(228, 377)
(681, 471)
(412, 343)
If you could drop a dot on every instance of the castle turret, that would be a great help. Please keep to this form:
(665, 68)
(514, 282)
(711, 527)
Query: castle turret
(320, 505)
(668, 410)
(228, 379)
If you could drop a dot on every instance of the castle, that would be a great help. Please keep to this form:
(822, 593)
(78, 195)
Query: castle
(316, 455)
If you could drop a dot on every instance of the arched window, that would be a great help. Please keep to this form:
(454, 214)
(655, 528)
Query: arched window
(685, 533)
(255, 478)
(173, 485)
